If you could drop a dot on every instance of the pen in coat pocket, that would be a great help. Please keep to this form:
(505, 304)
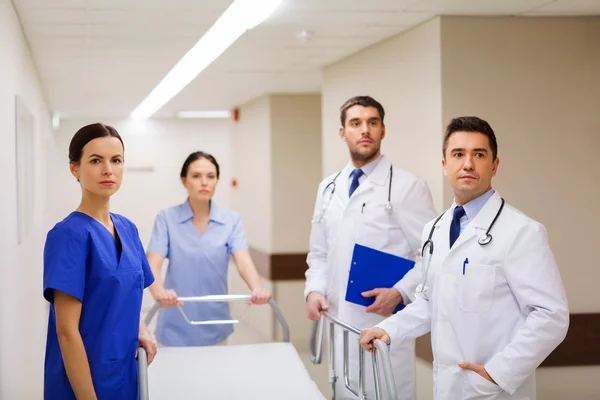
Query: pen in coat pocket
(465, 265)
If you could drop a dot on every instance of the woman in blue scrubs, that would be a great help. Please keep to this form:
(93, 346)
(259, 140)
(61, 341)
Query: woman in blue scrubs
(198, 237)
(95, 271)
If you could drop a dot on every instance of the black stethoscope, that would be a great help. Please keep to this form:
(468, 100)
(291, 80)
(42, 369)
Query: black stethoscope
(331, 185)
(483, 240)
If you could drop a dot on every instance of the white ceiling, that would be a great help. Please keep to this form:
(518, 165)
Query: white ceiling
(100, 58)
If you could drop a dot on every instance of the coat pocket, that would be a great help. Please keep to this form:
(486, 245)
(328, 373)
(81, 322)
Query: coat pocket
(477, 387)
(476, 288)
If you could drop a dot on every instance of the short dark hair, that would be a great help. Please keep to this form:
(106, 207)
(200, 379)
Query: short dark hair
(86, 135)
(196, 156)
(365, 101)
(471, 124)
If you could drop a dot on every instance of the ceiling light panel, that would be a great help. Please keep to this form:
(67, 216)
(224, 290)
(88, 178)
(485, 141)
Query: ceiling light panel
(239, 17)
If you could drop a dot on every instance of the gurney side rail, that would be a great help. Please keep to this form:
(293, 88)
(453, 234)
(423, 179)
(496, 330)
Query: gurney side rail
(142, 357)
(380, 352)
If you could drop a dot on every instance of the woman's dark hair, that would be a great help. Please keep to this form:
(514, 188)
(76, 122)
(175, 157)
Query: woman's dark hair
(196, 156)
(86, 135)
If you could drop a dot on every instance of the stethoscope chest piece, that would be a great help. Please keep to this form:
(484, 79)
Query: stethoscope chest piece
(485, 239)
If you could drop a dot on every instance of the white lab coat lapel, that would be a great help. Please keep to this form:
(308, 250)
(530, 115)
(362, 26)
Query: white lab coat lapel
(342, 187)
(381, 173)
(441, 237)
(377, 179)
(336, 223)
(349, 223)
(341, 226)
(477, 228)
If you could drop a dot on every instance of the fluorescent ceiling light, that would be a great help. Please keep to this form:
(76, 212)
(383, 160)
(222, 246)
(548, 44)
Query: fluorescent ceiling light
(237, 19)
(55, 120)
(204, 114)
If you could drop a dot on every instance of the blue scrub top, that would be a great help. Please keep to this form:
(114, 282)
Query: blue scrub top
(198, 266)
(81, 258)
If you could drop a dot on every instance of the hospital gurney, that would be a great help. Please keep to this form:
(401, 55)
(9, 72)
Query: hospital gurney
(269, 371)
(380, 354)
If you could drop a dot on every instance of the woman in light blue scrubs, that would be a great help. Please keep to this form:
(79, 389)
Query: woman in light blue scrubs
(198, 237)
(95, 271)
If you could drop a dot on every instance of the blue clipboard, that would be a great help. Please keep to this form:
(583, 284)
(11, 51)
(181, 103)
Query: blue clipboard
(372, 269)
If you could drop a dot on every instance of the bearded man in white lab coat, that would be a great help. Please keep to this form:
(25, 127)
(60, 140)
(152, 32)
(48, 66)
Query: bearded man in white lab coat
(496, 309)
(352, 208)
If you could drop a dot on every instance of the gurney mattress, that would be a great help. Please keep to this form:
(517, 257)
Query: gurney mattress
(270, 371)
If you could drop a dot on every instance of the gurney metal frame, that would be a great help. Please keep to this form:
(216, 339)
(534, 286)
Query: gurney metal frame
(381, 351)
(143, 358)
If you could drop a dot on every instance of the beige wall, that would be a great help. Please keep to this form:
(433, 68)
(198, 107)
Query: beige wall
(251, 160)
(404, 75)
(537, 81)
(541, 94)
(296, 163)
(154, 154)
(22, 307)
(276, 159)
(278, 142)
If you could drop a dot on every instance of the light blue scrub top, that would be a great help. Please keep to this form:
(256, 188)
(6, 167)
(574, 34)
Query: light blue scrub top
(82, 259)
(198, 266)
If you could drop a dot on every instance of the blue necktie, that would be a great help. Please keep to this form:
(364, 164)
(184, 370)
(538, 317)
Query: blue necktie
(455, 225)
(357, 173)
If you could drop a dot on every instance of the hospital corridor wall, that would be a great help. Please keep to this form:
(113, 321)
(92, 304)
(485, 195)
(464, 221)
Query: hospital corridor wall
(540, 93)
(537, 81)
(154, 154)
(404, 74)
(23, 316)
(276, 154)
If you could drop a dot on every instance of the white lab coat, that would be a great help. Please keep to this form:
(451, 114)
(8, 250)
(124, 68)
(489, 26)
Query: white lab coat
(507, 312)
(332, 241)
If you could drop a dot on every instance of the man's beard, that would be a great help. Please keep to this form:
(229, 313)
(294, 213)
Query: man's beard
(356, 156)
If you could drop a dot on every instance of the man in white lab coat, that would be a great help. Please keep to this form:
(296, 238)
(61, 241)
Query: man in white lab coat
(353, 207)
(496, 309)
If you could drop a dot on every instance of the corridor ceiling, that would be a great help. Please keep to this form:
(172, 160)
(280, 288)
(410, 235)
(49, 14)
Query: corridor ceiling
(100, 58)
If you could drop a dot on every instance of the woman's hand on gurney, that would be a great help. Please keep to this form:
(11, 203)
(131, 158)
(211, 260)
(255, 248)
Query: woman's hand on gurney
(145, 340)
(315, 303)
(368, 335)
(167, 298)
(260, 296)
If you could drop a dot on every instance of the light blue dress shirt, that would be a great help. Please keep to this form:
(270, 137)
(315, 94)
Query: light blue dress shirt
(198, 266)
(367, 170)
(473, 207)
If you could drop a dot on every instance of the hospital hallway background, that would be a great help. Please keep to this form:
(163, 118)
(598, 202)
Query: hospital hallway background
(268, 108)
